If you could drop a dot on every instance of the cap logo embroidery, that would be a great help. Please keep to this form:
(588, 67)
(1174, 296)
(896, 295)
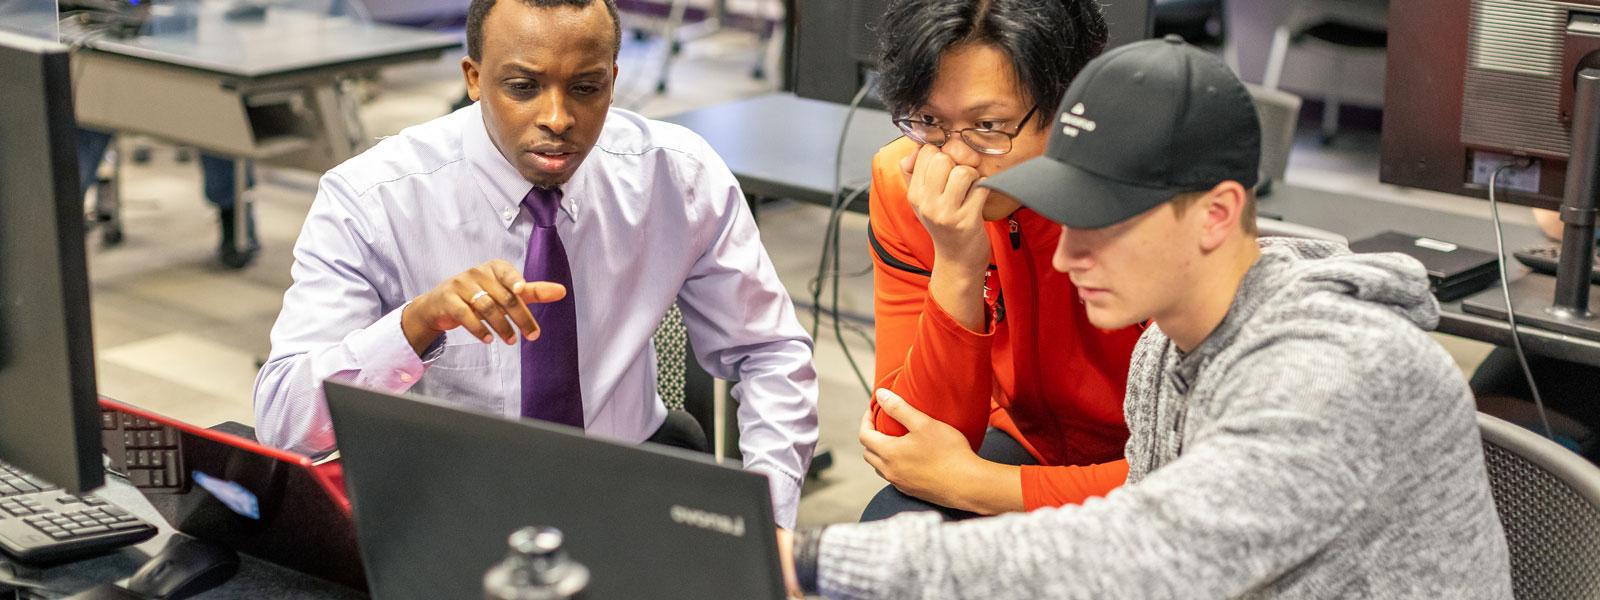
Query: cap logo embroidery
(1075, 123)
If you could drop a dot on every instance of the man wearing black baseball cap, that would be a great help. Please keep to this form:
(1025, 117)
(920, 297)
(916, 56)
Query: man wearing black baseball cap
(1294, 432)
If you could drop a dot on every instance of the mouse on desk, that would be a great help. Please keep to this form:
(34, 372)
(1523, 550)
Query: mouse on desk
(184, 568)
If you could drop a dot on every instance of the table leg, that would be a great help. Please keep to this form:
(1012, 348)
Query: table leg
(350, 108)
(243, 205)
(108, 198)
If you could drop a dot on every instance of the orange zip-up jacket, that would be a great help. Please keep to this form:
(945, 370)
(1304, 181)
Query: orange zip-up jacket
(1041, 372)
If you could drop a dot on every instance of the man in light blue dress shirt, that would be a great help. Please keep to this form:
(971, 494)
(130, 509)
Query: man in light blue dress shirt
(408, 274)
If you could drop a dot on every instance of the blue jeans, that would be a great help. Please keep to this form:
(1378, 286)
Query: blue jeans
(216, 172)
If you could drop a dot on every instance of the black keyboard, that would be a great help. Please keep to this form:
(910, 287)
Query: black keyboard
(41, 523)
(1544, 258)
(147, 452)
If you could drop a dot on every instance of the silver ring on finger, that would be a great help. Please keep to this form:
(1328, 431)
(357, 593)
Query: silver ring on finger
(475, 297)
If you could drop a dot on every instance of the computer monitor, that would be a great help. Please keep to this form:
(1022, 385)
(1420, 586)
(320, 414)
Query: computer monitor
(836, 41)
(49, 416)
(1475, 84)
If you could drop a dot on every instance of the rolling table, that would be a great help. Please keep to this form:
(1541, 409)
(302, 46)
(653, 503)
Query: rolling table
(781, 146)
(795, 161)
(273, 90)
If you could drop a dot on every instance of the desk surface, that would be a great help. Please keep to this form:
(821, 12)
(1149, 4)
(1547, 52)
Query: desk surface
(256, 578)
(783, 146)
(285, 42)
(1358, 217)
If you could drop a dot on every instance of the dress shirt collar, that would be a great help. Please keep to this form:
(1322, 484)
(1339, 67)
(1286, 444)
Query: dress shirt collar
(503, 187)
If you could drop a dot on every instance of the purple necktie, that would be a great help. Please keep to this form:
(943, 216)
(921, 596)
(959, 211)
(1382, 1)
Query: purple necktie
(550, 389)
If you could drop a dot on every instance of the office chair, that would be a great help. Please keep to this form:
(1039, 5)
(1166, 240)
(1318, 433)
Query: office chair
(1343, 27)
(765, 20)
(1279, 112)
(1200, 22)
(1549, 504)
(685, 386)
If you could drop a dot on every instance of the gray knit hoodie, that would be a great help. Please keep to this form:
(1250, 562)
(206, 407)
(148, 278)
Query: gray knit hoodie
(1316, 445)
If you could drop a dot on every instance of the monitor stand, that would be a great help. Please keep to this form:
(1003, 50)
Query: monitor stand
(1564, 304)
(1531, 295)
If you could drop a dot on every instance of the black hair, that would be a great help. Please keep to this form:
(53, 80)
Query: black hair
(1048, 41)
(479, 10)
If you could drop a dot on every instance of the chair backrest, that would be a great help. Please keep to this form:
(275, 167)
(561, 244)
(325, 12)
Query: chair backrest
(683, 384)
(1549, 504)
(1279, 112)
(672, 358)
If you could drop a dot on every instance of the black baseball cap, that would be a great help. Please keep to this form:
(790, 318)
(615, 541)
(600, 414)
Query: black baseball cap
(1141, 124)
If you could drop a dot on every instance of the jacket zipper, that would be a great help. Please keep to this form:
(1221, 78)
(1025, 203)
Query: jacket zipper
(1016, 234)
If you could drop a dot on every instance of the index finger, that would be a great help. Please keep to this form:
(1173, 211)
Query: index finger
(515, 306)
(540, 292)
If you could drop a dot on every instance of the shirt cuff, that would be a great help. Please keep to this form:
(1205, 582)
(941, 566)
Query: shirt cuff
(385, 356)
(785, 490)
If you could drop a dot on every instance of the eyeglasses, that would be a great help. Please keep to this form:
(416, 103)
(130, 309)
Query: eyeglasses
(986, 141)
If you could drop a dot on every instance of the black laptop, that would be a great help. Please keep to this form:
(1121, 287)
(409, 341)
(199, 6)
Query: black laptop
(438, 490)
(1454, 271)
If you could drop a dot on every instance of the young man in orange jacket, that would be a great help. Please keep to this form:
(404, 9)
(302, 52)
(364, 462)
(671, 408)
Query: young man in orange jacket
(974, 328)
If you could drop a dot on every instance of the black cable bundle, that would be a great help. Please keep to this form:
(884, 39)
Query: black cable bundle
(830, 247)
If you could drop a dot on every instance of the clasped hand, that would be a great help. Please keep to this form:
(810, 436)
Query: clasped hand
(932, 461)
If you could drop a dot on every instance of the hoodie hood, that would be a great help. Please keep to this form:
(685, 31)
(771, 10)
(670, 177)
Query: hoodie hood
(1292, 271)
(1391, 280)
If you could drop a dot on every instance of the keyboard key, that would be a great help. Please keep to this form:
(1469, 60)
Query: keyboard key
(172, 474)
(139, 477)
(157, 458)
(128, 420)
(158, 479)
(92, 529)
(169, 437)
(108, 420)
(60, 534)
(126, 525)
